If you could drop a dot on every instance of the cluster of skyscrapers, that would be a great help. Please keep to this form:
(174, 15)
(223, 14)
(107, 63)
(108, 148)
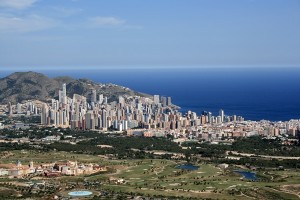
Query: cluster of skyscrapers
(125, 113)
(155, 114)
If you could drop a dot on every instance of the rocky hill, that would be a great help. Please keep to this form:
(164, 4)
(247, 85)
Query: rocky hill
(21, 86)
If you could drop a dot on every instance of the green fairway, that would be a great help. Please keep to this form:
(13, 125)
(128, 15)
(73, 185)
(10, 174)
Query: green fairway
(158, 177)
(161, 177)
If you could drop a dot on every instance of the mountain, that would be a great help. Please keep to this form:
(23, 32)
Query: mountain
(21, 86)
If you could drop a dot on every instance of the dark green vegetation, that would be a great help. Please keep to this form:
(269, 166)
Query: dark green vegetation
(154, 178)
(262, 163)
(14, 146)
(148, 166)
(23, 119)
(261, 146)
(140, 143)
(9, 190)
(35, 132)
(253, 145)
(121, 147)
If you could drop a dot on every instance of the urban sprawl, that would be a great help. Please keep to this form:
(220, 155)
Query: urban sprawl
(144, 116)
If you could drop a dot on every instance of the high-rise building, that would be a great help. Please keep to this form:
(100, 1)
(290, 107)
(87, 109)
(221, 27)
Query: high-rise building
(64, 89)
(104, 119)
(156, 99)
(90, 120)
(203, 119)
(121, 101)
(125, 124)
(62, 94)
(164, 101)
(10, 110)
(101, 99)
(94, 96)
(169, 101)
(234, 118)
(209, 115)
(219, 120)
(221, 114)
(44, 114)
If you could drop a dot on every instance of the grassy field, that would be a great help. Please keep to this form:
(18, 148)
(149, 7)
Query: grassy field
(39, 157)
(160, 177)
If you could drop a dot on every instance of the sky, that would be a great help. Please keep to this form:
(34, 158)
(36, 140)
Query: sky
(55, 34)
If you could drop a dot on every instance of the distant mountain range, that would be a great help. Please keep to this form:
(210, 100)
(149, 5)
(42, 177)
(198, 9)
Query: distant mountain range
(21, 86)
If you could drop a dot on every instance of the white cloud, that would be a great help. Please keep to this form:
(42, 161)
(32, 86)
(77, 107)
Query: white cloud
(106, 21)
(26, 24)
(17, 4)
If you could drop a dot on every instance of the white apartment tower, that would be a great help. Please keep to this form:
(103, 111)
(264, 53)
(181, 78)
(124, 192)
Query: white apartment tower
(221, 114)
(63, 94)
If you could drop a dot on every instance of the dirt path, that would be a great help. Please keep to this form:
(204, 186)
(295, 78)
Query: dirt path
(289, 192)
(242, 194)
(272, 178)
(263, 156)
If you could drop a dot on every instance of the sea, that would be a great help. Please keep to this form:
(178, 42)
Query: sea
(255, 93)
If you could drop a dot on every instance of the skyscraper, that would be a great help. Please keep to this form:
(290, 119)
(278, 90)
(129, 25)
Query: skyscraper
(221, 114)
(101, 98)
(44, 114)
(121, 100)
(64, 89)
(156, 99)
(94, 96)
(209, 117)
(164, 101)
(169, 101)
(104, 119)
(63, 94)
(9, 108)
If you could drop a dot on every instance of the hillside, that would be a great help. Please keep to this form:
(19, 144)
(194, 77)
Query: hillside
(21, 86)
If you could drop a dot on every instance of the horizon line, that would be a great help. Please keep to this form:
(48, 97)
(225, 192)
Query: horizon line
(129, 67)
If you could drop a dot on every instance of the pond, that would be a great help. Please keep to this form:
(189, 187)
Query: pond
(80, 193)
(247, 175)
(187, 167)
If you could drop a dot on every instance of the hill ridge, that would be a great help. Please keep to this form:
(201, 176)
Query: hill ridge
(20, 86)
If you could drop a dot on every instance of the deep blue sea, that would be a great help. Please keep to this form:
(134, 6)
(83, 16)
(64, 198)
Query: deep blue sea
(254, 93)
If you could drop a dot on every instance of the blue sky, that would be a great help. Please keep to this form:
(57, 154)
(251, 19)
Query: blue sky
(135, 33)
